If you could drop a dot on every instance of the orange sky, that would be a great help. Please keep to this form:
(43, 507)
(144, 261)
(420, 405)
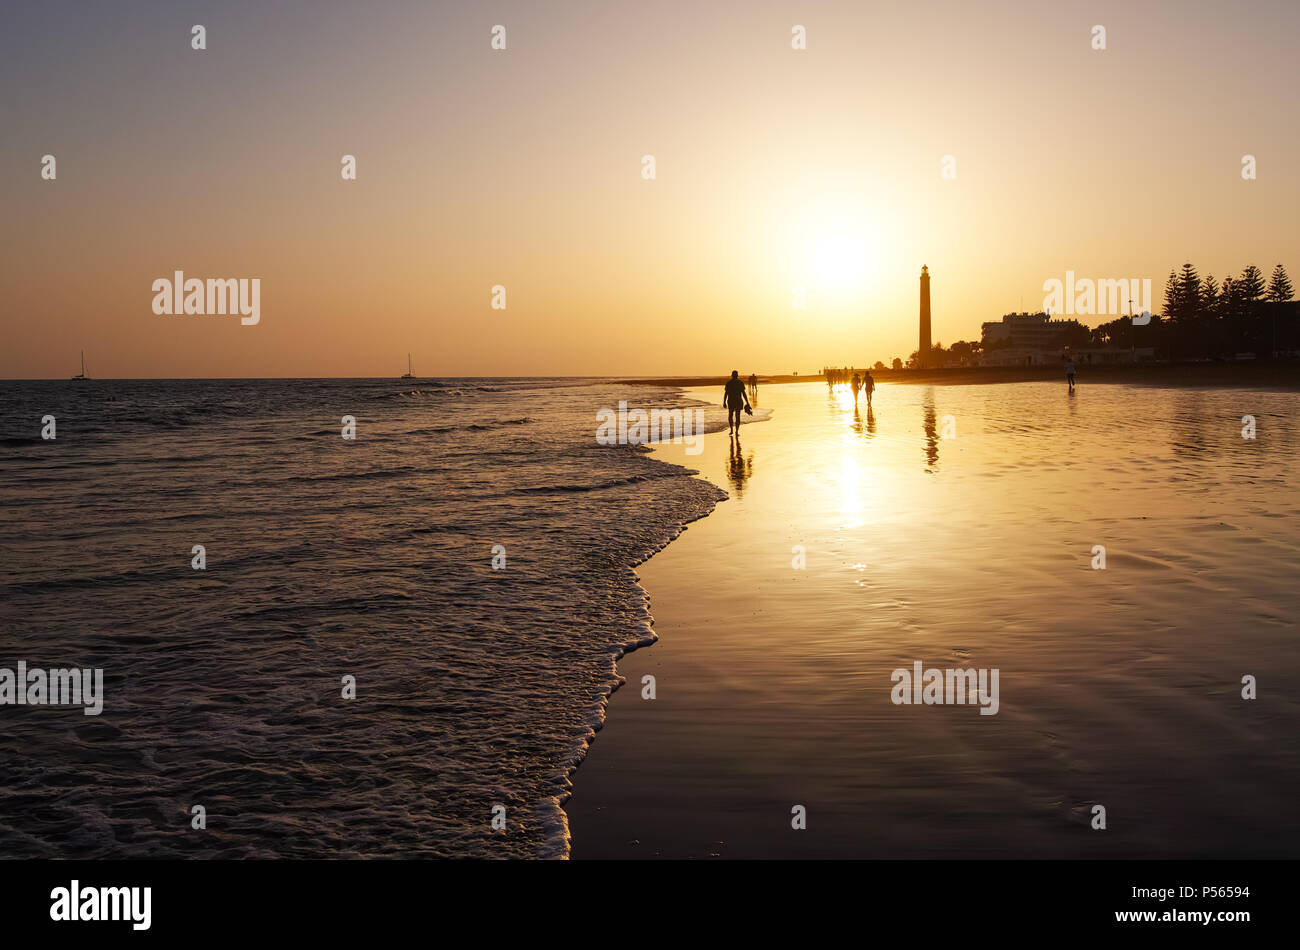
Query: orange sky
(775, 168)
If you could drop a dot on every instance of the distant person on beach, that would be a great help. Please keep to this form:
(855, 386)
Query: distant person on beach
(868, 385)
(753, 385)
(734, 398)
(1069, 371)
(856, 384)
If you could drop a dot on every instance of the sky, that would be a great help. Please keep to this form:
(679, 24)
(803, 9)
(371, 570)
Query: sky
(774, 169)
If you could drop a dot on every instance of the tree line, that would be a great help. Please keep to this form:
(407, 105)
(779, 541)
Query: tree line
(1205, 319)
(1202, 319)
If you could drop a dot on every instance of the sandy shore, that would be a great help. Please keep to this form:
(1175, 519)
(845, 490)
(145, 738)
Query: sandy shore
(1118, 687)
(1280, 375)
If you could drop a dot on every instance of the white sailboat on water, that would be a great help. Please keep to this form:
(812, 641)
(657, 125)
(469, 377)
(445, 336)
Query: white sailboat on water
(82, 375)
(407, 374)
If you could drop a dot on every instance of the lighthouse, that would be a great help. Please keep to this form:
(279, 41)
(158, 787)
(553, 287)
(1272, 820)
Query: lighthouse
(923, 350)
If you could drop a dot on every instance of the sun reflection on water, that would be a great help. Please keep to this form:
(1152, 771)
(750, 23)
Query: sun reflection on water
(852, 506)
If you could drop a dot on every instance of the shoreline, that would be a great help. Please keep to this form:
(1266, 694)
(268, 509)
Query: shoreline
(773, 685)
(1278, 375)
(553, 810)
(559, 838)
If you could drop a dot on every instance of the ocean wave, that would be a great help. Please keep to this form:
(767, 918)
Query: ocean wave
(471, 427)
(324, 556)
(361, 476)
(573, 488)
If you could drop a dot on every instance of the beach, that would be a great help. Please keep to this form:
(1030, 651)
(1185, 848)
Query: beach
(1279, 375)
(958, 527)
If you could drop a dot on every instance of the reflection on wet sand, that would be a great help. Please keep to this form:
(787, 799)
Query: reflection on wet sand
(740, 468)
(931, 432)
(870, 429)
(846, 562)
(845, 412)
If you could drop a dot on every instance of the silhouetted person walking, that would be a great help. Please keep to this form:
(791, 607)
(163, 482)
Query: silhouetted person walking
(734, 398)
(856, 384)
(868, 385)
(1069, 371)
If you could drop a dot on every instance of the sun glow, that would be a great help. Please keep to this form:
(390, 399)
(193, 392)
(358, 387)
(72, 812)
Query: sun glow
(839, 253)
(840, 260)
(843, 393)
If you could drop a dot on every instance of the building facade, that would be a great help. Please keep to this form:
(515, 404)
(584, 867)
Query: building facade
(1026, 331)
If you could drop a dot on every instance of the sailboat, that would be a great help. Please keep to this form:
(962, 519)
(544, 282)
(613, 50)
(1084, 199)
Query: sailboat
(82, 375)
(407, 374)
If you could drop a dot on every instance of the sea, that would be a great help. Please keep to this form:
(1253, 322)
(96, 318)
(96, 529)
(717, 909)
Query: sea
(396, 644)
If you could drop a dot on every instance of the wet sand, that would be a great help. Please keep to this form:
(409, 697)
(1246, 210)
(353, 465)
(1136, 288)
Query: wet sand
(1263, 374)
(1118, 687)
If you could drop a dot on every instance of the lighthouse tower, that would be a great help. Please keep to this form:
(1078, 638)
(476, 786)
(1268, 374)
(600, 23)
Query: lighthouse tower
(923, 351)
